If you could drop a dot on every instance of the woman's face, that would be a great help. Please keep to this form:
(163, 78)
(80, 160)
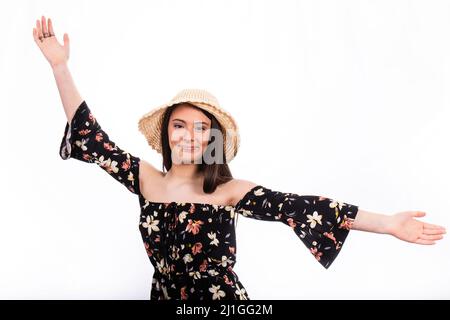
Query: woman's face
(188, 131)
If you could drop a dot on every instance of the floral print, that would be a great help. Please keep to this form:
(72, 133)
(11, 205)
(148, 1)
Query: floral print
(320, 222)
(85, 140)
(192, 246)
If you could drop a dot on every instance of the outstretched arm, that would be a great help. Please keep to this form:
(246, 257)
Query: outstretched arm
(402, 225)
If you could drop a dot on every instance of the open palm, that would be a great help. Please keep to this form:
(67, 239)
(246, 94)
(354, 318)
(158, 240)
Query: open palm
(54, 52)
(405, 227)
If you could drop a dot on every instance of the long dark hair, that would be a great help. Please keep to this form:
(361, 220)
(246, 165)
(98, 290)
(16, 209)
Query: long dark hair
(215, 173)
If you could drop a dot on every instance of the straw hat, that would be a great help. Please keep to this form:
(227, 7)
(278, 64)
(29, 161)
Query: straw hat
(150, 123)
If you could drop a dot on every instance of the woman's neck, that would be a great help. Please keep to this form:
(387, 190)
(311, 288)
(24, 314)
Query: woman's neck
(184, 173)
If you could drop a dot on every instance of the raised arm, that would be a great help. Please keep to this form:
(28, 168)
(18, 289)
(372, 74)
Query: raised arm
(84, 139)
(58, 55)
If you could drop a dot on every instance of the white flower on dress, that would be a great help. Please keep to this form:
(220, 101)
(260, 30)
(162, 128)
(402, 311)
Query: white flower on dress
(217, 293)
(187, 258)
(81, 144)
(109, 165)
(195, 274)
(246, 213)
(337, 205)
(162, 266)
(175, 253)
(226, 260)
(212, 236)
(241, 293)
(231, 210)
(164, 290)
(130, 177)
(313, 219)
(151, 224)
(213, 272)
(182, 216)
(259, 192)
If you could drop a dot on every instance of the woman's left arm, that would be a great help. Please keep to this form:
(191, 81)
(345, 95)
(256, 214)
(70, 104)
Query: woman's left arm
(402, 225)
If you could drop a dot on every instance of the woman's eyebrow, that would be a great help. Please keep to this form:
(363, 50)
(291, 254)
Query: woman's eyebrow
(185, 121)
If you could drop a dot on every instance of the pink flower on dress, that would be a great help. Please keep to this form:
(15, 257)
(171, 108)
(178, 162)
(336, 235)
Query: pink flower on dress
(330, 235)
(347, 223)
(192, 208)
(227, 281)
(126, 164)
(183, 293)
(108, 146)
(203, 266)
(91, 117)
(194, 226)
(148, 249)
(84, 132)
(197, 248)
(99, 137)
(291, 222)
(316, 253)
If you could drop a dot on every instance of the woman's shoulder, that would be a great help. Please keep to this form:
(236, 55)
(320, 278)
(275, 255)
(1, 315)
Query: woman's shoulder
(239, 188)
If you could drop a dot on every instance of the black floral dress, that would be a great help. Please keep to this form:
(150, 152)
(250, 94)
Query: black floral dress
(192, 246)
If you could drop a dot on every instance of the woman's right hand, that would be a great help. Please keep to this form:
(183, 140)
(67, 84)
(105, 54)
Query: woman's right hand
(55, 53)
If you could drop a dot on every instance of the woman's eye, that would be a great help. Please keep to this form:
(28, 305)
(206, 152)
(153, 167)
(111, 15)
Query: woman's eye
(196, 128)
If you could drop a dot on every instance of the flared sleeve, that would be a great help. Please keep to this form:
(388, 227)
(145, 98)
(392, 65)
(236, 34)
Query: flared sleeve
(85, 140)
(321, 223)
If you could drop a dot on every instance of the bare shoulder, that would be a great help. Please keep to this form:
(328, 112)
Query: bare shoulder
(148, 174)
(239, 188)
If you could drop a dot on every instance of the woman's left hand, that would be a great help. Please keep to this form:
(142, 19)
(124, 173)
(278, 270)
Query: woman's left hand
(403, 226)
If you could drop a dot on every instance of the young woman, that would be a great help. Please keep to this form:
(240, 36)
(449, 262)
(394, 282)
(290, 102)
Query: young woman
(188, 213)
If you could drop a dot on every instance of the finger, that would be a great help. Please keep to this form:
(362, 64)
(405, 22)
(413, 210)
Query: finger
(432, 226)
(418, 214)
(66, 41)
(50, 26)
(433, 231)
(44, 25)
(431, 236)
(35, 37)
(424, 242)
(39, 29)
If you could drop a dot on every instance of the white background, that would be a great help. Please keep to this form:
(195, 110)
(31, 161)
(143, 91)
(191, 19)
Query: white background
(348, 99)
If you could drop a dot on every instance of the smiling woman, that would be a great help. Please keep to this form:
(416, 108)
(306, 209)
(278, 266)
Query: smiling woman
(180, 127)
(188, 228)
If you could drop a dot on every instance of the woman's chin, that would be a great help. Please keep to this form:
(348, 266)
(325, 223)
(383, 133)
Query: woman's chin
(192, 158)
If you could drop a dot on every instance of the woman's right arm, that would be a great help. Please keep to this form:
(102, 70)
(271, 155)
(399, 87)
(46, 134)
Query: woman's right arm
(84, 139)
(70, 97)
(58, 55)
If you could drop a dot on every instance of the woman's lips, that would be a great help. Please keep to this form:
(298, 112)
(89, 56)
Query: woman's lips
(188, 148)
